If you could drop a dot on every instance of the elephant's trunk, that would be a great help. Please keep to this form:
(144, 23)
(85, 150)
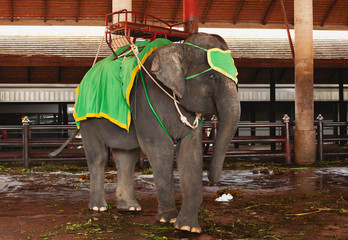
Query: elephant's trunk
(228, 108)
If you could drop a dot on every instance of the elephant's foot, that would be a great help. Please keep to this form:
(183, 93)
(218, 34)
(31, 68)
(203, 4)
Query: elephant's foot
(98, 207)
(132, 206)
(102, 209)
(188, 225)
(167, 217)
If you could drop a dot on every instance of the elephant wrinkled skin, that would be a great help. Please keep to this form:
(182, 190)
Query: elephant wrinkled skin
(208, 93)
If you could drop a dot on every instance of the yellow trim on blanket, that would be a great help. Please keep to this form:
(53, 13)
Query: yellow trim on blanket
(75, 114)
(102, 115)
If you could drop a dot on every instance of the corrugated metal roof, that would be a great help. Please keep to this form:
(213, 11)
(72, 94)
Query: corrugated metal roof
(64, 46)
(279, 48)
(87, 46)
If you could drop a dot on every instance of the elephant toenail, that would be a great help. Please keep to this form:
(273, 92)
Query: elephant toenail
(196, 230)
(185, 228)
(102, 209)
(138, 209)
(173, 220)
(131, 208)
(95, 209)
(162, 220)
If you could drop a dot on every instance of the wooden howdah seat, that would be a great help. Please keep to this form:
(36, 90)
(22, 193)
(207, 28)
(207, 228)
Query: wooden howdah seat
(123, 27)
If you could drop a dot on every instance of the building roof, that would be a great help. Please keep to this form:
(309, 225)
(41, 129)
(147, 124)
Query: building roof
(80, 50)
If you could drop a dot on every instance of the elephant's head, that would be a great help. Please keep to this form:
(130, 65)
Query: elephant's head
(208, 92)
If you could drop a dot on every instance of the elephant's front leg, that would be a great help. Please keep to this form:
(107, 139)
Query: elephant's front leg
(161, 157)
(189, 161)
(125, 192)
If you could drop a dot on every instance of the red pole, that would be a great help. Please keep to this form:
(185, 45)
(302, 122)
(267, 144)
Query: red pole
(190, 13)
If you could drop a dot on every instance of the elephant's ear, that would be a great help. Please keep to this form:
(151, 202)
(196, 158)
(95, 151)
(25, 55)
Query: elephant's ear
(167, 65)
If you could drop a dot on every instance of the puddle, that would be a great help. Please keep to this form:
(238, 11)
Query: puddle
(68, 185)
(285, 180)
(10, 183)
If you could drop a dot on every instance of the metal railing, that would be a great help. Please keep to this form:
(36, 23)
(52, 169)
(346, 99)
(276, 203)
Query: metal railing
(334, 143)
(24, 141)
(276, 143)
(246, 146)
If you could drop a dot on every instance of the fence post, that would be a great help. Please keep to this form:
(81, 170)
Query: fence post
(320, 135)
(25, 141)
(286, 134)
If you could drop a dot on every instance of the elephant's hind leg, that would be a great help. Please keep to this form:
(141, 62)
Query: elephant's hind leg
(96, 152)
(96, 166)
(125, 193)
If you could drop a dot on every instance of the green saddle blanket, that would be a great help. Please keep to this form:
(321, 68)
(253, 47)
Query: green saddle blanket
(105, 89)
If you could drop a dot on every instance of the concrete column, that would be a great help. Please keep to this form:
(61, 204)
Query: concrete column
(118, 5)
(304, 136)
(190, 8)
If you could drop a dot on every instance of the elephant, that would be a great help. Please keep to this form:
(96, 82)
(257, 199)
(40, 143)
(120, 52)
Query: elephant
(205, 92)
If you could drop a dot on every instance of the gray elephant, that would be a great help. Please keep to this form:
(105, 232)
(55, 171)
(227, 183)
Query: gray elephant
(182, 69)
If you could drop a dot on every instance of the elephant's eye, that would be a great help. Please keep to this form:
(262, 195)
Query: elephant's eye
(211, 76)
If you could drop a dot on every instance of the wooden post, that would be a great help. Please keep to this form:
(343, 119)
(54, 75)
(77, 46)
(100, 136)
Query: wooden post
(320, 132)
(190, 8)
(25, 142)
(304, 135)
(286, 134)
(342, 105)
(272, 105)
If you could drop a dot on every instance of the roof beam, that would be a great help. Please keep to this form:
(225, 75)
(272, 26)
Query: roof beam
(176, 10)
(145, 6)
(143, 11)
(236, 15)
(287, 63)
(269, 11)
(12, 10)
(287, 30)
(45, 10)
(206, 11)
(38, 61)
(328, 12)
(77, 14)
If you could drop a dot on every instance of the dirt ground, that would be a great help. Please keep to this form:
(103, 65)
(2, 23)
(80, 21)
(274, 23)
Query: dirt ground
(50, 201)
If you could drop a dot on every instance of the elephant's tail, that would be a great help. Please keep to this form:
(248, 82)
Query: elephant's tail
(60, 149)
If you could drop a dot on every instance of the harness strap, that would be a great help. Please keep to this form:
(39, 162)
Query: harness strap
(157, 117)
(207, 70)
(195, 75)
(196, 46)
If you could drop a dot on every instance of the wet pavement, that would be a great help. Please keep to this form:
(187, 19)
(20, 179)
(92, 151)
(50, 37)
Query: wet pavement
(256, 179)
(268, 203)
